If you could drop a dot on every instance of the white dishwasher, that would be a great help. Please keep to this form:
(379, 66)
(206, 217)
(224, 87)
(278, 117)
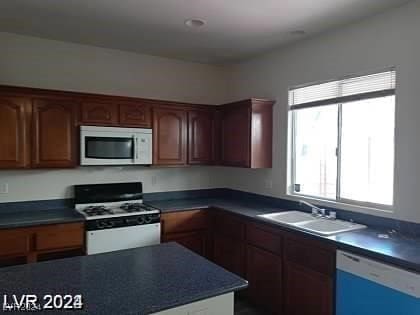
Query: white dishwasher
(368, 287)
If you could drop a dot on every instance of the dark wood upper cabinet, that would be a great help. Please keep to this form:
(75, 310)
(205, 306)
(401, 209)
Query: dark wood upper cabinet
(14, 132)
(37, 128)
(217, 136)
(169, 136)
(54, 133)
(200, 137)
(136, 115)
(236, 131)
(246, 139)
(99, 113)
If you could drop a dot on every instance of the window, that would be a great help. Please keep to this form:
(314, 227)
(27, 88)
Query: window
(343, 140)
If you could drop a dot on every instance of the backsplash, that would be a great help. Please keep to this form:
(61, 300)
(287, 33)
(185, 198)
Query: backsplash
(26, 185)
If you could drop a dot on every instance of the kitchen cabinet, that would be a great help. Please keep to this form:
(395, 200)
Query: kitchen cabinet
(229, 253)
(308, 278)
(264, 267)
(136, 115)
(306, 291)
(287, 273)
(200, 137)
(246, 139)
(14, 132)
(54, 133)
(197, 241)
(169, 136)
(37, 128)
(264, 274)
(99, 113)
(189, 228)
(39, 243)
(228, 242)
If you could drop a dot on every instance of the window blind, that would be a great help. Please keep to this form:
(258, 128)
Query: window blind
(343, 91)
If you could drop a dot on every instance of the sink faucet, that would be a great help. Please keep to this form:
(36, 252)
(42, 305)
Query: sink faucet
(316, 211)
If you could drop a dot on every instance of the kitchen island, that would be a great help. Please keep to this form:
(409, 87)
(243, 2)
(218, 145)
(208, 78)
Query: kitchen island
(147, 280)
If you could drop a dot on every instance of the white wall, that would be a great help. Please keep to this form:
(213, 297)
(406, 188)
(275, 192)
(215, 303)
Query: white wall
(40, 63)
(390, 39)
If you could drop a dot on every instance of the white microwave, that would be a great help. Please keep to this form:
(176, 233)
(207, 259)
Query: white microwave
(115, 146)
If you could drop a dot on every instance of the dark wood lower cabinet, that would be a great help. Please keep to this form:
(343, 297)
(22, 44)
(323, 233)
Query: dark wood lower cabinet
(40, 243)
(196, 241)
(229, 253)
(264, 274)
(306, 291)
(288, 274)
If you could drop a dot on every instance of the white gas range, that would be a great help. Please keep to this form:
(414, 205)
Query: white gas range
(116, 217)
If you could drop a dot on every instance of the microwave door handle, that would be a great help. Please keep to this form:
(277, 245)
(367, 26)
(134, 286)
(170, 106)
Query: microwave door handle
(136, 148)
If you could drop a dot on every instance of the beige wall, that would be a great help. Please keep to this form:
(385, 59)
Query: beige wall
(40, 63)
(390, 39)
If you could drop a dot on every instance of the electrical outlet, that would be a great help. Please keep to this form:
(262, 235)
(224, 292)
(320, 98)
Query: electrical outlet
(154, 180)
(4, 188)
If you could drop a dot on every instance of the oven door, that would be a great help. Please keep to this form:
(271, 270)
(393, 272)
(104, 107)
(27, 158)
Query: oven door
(102, 241)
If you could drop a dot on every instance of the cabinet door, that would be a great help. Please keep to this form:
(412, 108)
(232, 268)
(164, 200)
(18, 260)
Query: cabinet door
(135, 115)
(184, 221)
(236, 135)
(54, 133)
(169, 136)
(196, 241)
(217, 136)
(60, 236)
(14, 136)
(14, 242)
(264, 274)
(229, 253)
(306, 291)
(200, 137)
(99, 113)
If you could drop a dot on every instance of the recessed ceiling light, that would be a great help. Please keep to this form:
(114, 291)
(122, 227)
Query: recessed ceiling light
(195, 23)
(298, 33)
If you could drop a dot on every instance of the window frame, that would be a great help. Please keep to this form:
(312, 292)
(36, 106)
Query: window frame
(338, 199)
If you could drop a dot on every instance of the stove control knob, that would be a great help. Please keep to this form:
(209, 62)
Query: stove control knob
(140, 220)
(110, 224)
(148, 219)
(101, 224)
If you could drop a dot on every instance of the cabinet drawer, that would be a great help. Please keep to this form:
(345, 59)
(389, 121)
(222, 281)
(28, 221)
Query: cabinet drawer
(59, 236)
(13, 243)
(229, 225)
(261, 237)
(312, 257)
(184, 221)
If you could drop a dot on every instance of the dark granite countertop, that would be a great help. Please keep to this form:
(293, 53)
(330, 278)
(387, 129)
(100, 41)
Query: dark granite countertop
(134, 281)
(398, 250)
(16, 218)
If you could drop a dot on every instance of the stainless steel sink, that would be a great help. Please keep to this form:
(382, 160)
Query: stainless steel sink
(307, 222)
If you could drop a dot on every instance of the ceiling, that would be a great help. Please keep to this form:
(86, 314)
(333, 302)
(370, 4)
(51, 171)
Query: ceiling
(235, 29)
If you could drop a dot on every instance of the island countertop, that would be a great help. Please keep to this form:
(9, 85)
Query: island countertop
(134, 281)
